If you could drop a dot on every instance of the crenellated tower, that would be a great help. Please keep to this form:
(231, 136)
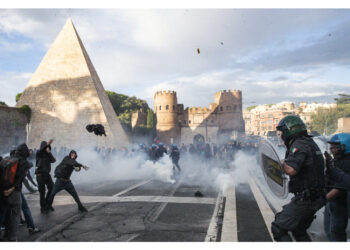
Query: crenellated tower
(165, 108)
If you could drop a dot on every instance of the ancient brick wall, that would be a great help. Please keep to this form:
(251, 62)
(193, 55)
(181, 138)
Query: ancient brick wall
(12, 128)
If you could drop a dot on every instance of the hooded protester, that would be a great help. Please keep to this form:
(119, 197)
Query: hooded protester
(11, 188)
(63, 173)
(44, 158)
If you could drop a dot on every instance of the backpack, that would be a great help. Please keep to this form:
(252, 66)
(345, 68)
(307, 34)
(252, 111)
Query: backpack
(9, 166)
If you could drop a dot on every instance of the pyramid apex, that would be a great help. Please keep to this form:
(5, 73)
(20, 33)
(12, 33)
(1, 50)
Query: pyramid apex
(69, 22)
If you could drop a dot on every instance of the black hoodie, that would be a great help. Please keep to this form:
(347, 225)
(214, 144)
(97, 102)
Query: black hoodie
(21, 153)
(65, 168)
(44, 159)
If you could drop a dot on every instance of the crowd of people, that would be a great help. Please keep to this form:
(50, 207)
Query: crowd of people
(312, 186)
(14, 171)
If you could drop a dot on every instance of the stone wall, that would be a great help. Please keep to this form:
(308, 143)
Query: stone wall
(209, 133)
(12, 129)
(138, 118)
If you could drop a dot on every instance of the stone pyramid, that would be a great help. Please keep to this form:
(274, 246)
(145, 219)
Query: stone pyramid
(65, 94)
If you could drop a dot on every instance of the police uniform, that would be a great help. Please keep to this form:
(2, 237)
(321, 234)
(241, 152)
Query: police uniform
(305, 157)
(336, 210)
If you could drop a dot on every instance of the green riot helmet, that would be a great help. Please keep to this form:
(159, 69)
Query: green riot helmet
(290, 126)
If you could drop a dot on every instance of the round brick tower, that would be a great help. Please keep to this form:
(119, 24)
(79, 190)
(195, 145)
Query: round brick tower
(165, 108)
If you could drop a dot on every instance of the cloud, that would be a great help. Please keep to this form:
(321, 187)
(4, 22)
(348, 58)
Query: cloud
(268, 54)
(12, 83)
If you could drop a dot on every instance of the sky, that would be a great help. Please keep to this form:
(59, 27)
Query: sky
(271, 55)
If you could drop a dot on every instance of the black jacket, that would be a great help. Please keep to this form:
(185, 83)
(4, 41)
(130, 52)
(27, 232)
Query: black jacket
(175, 155)
(44, 159)
(21, 153)
(65, 168)
(305, 157)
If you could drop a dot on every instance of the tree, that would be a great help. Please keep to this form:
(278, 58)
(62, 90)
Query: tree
(325, 121)
(3, 104)
(150, 118)
(124, 106)
(251, 107)
(18, 96)
(343, 99)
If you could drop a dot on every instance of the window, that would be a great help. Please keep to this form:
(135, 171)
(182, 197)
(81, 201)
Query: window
(167, 107)
(228, 107)
(262, 122)
(234, 107)
(221, 108)
(184, 122)
(160, 107)
(269, 122)
(270, 128)
(212, 121)
(173, 107)
(270, 115)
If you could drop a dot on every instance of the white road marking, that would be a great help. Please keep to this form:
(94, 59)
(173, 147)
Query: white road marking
(132, 237)
(67, 222)
(67, 200)
(275, 203)
(264, 207)
(160, 209)
(213, 226)
(229, 226)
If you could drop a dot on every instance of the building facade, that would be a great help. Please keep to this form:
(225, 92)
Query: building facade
(263, 119)
(178, 125)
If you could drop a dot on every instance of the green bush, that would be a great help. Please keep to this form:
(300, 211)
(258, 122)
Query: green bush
(25, 109)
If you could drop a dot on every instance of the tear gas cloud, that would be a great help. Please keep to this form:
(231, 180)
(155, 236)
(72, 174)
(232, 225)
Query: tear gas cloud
(206, 174)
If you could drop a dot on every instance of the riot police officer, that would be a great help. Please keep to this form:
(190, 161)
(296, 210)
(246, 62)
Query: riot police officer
(175, 157)
(305, 165)
(336, 210)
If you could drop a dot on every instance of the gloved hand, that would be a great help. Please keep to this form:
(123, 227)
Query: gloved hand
(329, 161)
(85, 167)
(77, 169)
(8, 191)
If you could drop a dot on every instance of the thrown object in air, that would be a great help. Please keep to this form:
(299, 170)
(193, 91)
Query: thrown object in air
(198, 194)
(272, 168)
(198, 51)
(98, 129)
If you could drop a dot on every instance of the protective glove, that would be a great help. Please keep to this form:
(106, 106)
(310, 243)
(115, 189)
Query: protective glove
(77, 169)
(8, 191)
(85, 167)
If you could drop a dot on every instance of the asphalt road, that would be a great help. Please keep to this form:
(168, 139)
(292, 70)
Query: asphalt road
(154, 211)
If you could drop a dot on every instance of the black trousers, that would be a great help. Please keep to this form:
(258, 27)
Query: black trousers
(12, 215)
(296, 217)
(66, 185)
(44, 180)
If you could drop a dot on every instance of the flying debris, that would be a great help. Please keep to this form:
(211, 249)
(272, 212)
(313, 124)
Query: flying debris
(98, 129)
(198, 194)
(198, 51)
(222, 43)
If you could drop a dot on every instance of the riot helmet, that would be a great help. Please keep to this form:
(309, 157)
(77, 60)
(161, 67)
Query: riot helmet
(290, 126)
(340, 143)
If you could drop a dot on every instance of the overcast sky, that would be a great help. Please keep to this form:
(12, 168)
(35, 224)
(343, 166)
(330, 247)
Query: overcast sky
(271, 55)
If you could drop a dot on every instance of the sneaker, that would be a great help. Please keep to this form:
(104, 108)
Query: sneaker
(51, 209)
(34, 230)
(82, 209)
